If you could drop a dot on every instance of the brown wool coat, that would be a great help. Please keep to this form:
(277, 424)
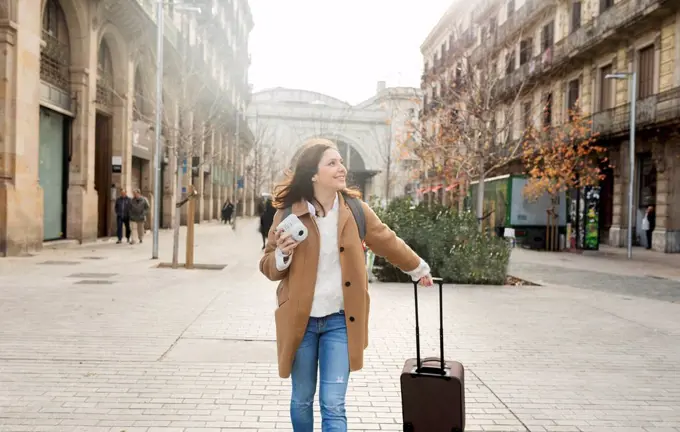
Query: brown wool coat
(296, 288)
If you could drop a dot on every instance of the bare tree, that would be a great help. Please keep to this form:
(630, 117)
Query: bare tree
(472, 127)
(263, 160)
(195, 110)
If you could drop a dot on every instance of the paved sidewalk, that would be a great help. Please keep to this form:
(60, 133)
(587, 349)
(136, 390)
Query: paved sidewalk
(648, 274)
(177, 350)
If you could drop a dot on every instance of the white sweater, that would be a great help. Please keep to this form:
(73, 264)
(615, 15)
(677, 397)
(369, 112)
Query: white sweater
(328, 296)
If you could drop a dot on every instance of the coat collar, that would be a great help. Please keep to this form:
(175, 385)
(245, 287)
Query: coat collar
(304, 207)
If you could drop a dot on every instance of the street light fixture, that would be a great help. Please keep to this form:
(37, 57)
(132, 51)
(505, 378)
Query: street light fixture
(632, 76)
(160, 5)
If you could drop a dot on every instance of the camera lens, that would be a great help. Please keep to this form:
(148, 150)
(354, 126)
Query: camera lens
(301, 233)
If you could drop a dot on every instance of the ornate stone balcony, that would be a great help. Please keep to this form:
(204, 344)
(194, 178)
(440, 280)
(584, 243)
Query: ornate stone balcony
(655, 110)
(523, 17)
(616, 19)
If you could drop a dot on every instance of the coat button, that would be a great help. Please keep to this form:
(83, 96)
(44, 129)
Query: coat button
(351, 318)
(342, 248)
(347, 284)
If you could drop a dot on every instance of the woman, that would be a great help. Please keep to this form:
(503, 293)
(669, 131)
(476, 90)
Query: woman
(323, 301)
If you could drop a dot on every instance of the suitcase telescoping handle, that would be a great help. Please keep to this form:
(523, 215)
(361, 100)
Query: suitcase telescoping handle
(419, 368)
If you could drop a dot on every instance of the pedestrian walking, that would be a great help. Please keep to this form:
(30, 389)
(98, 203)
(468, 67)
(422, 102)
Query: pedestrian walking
(266, 220)
(122, 209)
(648, 225)
(139, 207)
(227, 210)
(323, 300)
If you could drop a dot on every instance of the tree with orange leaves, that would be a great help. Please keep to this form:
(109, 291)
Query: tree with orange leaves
(561, 158)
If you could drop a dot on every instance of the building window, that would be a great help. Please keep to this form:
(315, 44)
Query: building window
(548, 36)
(511, 8)
(646, 72)
(605, 4)
(573, 93)
(575, 16)
(526, 50)
(547, 110)
(55, 55)
(606, 92)
(510, 58)
(526, 114)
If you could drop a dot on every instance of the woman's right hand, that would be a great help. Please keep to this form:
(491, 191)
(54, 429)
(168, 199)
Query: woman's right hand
(285, 242)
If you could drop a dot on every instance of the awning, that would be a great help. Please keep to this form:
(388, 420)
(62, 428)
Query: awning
(436, 188)
(424, 190)
(451, 187)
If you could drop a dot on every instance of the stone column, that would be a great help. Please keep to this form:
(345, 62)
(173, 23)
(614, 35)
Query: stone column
(666, 235)
(21, 197)
(82, 197)
(618, 231)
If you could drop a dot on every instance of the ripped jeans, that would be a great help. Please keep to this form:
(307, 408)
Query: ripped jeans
(323, 348)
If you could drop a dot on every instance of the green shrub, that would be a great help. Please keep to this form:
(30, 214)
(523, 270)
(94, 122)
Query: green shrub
(449, 241)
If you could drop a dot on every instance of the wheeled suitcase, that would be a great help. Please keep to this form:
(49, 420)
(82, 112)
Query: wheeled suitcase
(433, 389)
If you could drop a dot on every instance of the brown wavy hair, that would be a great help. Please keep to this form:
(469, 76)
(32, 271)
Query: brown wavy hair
(298, 185)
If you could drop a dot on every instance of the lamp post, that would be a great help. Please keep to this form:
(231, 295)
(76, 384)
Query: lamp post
(632, 76)
(160, 4)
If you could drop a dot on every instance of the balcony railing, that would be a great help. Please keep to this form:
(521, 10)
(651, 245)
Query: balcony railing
(531, 69)
(104, 94)
(659, 108)
(618, 16)
(522, 18)
(54, 62)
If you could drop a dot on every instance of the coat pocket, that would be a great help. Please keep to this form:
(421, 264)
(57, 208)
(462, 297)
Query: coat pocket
(282, 293)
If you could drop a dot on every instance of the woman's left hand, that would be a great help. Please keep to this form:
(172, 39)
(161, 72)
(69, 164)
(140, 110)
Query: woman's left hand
(426, 280)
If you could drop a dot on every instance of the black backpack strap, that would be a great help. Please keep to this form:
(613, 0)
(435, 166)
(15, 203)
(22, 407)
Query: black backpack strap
(358, 212)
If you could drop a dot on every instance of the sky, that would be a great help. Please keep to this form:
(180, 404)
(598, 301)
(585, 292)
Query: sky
(341, 48)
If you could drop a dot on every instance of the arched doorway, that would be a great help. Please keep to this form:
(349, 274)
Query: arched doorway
(55, 119)
(104, 166)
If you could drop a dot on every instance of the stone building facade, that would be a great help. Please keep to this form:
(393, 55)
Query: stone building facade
(368, 134)
(77, 98)
(566, 50)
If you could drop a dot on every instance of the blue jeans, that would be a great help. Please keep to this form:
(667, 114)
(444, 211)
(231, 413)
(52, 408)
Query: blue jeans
(324, 346)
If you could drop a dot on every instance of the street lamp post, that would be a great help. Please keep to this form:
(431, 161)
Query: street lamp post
(160, 5)
(632, 76)
(159, 108)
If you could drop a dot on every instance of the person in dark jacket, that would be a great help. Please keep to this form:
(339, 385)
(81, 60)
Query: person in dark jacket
(122, 208)
(651, 219)
(227, 211)
(266, 220)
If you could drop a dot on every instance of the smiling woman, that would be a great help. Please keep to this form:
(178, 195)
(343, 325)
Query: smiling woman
(323, 301)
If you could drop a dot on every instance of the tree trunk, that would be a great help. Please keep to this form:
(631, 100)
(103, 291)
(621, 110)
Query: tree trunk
(480, 193)
(178, 215)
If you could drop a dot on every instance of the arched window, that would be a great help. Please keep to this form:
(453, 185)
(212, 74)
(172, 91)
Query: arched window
(55, 54)
(104, 75)
(138, 105)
